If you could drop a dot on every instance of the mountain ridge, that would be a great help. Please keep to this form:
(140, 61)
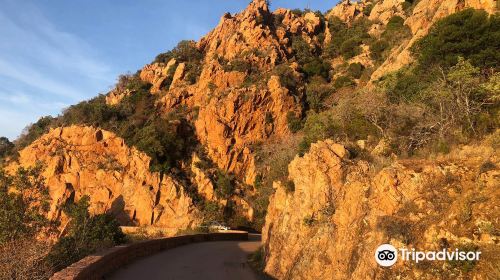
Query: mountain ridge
(273, 114)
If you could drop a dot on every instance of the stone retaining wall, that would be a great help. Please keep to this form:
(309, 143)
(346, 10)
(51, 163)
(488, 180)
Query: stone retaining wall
(99, 265)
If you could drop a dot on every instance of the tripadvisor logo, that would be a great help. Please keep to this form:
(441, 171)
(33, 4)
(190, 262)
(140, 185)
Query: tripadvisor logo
(387, 255)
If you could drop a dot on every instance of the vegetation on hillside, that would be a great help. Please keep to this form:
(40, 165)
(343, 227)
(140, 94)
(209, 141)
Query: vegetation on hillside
(167, 139)
(348, 39)
(25, 249)
(86, 234)
(448, 96)
(415, 109)
(185, 52)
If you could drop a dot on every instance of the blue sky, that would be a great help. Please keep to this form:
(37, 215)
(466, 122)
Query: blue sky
(55, 53)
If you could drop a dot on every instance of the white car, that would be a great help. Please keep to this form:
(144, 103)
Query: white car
(218, 227)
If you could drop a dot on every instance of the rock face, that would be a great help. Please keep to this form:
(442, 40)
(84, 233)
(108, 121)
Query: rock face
(115, 96)
(239, 101)
(231, 116)
(83, 161)
(157, 73)
(341, 211)
(347, 11)
(233, 111)
(228, 130)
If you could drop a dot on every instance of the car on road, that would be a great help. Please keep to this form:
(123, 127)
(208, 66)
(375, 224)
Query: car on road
(216, 226)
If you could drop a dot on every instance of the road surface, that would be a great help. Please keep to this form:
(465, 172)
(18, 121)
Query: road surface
(206, 260)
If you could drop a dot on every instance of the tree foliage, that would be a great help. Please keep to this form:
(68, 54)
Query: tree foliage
(6, 147)
(311, 64)
(166, 139)
(317, 90)
(471, 34)
(86, 235)
(23, 203)
(347, 39)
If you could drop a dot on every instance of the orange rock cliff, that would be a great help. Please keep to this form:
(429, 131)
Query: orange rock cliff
(329, 225)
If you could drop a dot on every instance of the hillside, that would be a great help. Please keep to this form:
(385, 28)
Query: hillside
(275, 115)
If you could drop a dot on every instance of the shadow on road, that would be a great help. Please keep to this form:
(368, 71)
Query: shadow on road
(208, 260)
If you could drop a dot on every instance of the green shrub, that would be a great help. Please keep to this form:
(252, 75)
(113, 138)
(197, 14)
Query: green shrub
(377, 49)
(368, 9)
(225, 184)
(6, 147)
(317, 67)
(442, 147)
(318, 127)
(289, 186)
(395, 32)
(465, 265)
(22, 213)
(470, 34)
(212, 211)
(406, 84)
(297, 12)
(350, 48)
(309, 221)
(394, 23)
(301, 49)
(343, 81)
(310, 62)
(34, 131)
(294, 123)
(185, 52)
(286, 75)
(259, 180)
(86, 235)
(269, 118)
(278, 20)
(347, 40)
(357, 127)
(395, 227)
(239, 65)
(257, 260)
(409, 5)
(487, 166)
(317, 91)
(135, 119)
(355, 70)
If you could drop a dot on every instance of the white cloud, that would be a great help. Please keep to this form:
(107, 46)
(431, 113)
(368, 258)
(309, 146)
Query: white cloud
(42, 68)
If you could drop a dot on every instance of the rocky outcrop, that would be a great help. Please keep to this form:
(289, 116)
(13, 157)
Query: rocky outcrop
(86, 161)
(342, 210)
(202, 180)
(115, 96)
(157, 73)
(232, 116)
(228, 125)
(383, 11)
(347, 11)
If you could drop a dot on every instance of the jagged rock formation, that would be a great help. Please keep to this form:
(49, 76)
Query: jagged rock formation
(232, 117)
(88, 161)
(235, 108)
(331, 224)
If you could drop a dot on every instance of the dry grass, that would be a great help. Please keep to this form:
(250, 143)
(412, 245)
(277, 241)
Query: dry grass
(24, 259)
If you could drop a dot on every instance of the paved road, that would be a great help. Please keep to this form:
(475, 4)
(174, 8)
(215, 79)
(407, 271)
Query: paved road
(208, 260)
